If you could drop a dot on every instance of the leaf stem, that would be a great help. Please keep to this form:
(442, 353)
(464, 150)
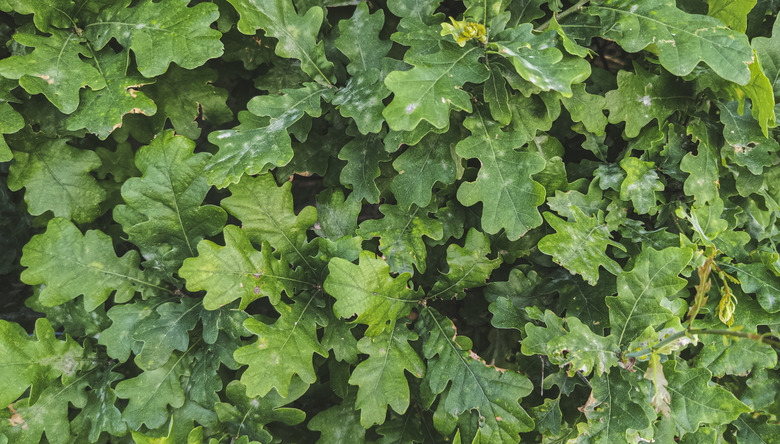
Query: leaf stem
(576, 7)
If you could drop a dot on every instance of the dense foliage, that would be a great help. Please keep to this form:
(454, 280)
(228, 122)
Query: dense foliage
(389, 221)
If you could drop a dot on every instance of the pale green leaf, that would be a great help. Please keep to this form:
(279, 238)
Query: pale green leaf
(703, 181)
(747, 145)
(267, 214)
(163, 214)
(361, 99)
(733, 13)
(288, 345)
(368, 291)
(151, 392)
(381, 378)
(235, 271)
(34, 361)
(55, 176)
(93, 268)
(159, 33)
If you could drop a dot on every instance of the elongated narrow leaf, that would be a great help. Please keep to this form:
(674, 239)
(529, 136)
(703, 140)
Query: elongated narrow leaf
(159, 33)
(368, 291)
(381, 378)
(163, 214)
(682, 40)
(297, 34)
(93, 268)
(288, 345)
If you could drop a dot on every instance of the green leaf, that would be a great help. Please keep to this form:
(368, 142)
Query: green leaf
(755, 278)
(681, 39)
(166, 332)
(400, 234)
(433, 87)
(361, 99)
(359, 40)
(696, 401)
(25, 422)
(538, 61)
(100, 413)
(469, 267)
(703, 181)
(640, 185)
(768, 55)
(297, 34)
(336, 215)
(653, 278)
(289, 344)
(55, 176)
(159, 33)
(759, 91)
(757, 430)
(235, 271)
(368, 291)
(586, 108)
(151, 392)
(469, 384)
(34, 361)
(54, 68)
(10, 122)
(47, 14)
(732, 13)
(579, 348)
(509, 197)
(497, 96)
(183, 96)
(747, 145)
(363, 155)
(338, 423)
(93, 268)
(738, 357)
(257, 144)
(611, 411)
(245, 416)
(163, 214)
(267, 214)
(421, 166)
(100, 112)
(642, 97)
(126, 317)
(580, 244)
(380, 378)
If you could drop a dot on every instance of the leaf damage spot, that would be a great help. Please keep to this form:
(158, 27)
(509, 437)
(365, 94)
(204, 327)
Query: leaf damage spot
(16, 419)
(47, 78)
(411, 107)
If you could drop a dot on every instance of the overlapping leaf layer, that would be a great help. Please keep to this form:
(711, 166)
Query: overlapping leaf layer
(408, 221)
